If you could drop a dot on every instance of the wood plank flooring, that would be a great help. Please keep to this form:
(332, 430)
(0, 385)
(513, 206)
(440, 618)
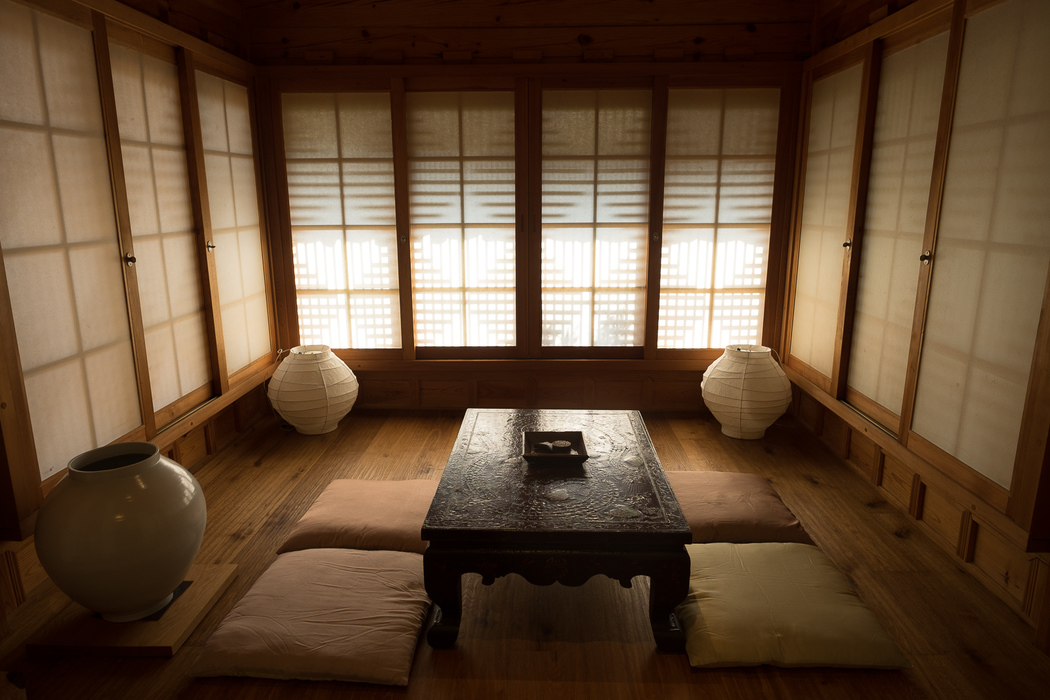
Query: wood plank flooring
(523, 641)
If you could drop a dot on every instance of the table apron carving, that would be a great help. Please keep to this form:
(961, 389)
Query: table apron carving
(614, 514)
(668, 574)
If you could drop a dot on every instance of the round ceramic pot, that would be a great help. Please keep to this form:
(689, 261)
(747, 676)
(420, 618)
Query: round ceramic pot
(312, 389)
(746, 390)
(120, 531)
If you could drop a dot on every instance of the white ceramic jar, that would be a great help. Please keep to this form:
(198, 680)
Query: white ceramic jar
(119, 532)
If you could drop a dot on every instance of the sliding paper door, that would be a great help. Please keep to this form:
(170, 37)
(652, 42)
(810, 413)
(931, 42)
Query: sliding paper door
(898, 191)
(154, 156)
(240, 263)
(989, 272)
(825, 218)
(59, 240)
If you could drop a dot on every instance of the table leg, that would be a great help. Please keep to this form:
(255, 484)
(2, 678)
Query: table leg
(667, 588)
(443, 583)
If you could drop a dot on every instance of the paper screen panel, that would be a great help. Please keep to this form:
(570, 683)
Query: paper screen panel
(233, 202)
(718, 194)
(993, 247)
(595, 204)
(57, 230)
(339, 156)
(462, 216)
(19, 72)
(825, 207)
(30, 206)
(147, 98)
(898, 191)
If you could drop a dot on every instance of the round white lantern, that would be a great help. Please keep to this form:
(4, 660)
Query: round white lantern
(746, 390)
(312, 389)
(121, 529)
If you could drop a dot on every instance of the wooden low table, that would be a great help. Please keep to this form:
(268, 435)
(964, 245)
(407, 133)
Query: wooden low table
(615, 514)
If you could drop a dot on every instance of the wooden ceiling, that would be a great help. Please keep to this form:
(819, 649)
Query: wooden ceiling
(355, 32)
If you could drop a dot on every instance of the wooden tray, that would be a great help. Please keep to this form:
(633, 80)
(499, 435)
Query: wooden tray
(537, 448)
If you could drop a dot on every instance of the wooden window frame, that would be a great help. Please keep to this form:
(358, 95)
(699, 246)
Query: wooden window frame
(528, 83)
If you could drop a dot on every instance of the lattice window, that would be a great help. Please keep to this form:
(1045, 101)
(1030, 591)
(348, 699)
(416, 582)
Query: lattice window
(721, 149)
(595, 204)
(462, 216)
(339, 151)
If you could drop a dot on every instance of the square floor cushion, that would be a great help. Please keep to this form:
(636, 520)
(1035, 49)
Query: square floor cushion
(324, 614)
(778, 603)
(365, 514)
(730, 507)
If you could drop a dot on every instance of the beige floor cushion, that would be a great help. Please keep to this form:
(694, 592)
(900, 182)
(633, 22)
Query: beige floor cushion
(365, 514)
(324, 614)
(730, 507)
(778, 603)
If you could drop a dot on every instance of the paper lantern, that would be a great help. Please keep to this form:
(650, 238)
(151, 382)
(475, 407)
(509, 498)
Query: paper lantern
(312, 389)
(746, 390)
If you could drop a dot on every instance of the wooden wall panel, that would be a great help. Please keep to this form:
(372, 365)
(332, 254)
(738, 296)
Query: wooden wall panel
(355, 31)
(811, 413)
(990, 546)
(421, 45)
(528, 384)
(369, 14)
(564, 391)
(863, 455)
(836, 435)
(444, 393)
(943, 516)
(384, 392)
(678, 395)
(1003, 564)
(191, 450)
(896, 480)
(837, 20)
(619, 394)
(221, 24)
(503, 393)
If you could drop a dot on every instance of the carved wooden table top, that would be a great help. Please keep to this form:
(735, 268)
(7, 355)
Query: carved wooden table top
(490, 494)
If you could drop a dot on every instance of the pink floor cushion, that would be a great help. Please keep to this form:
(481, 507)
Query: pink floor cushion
(781, 604)
(730, 507)
(365, 514)
(324, 614)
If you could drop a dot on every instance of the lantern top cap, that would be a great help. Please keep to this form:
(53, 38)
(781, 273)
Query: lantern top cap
(747, 348)
(310, 350)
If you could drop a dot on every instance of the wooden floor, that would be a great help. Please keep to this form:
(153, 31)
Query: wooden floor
(521, 641)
